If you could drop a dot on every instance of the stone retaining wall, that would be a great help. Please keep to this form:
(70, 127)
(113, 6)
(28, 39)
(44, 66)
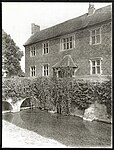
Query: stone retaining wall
(96, 111)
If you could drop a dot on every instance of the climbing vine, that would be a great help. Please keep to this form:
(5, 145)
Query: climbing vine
(52, 93)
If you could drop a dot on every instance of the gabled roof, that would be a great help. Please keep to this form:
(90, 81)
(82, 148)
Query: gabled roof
(100, 15)
(67, 61)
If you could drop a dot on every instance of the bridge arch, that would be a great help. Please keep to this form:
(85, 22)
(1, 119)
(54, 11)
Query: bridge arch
(28, 102)
(16, 107)
(6, 106)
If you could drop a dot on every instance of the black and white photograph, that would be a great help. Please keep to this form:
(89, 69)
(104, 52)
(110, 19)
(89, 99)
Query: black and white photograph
(57, 75)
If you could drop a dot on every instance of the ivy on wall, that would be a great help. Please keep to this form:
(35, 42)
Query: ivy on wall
(51, 93)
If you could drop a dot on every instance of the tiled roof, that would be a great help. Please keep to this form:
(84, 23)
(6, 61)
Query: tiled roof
(100, 15)
(65, 62)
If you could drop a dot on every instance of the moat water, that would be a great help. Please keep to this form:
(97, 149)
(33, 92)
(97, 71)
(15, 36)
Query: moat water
(68, 130)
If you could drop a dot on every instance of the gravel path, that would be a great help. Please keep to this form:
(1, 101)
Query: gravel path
(14, 136)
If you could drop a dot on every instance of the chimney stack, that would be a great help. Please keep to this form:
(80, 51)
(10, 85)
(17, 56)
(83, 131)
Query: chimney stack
(91, 9)
(34, 28)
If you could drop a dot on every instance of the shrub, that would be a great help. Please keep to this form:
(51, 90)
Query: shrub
(16, 88)
(103, 94)
(51, 92)
(41, 90)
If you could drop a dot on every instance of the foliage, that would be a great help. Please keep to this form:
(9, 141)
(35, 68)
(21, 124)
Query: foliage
(63, 92)
(11, 56)
(83, 94)
(41, 90)
(103, 94)
(16, 88)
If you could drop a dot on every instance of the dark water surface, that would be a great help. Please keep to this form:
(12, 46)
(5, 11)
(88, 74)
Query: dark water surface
(68, 130)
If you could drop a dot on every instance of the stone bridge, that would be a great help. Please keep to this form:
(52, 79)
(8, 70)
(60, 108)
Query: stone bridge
(16, 107)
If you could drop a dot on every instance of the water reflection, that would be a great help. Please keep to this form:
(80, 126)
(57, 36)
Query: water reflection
(6, 106)
(69, 130)
(8, 116)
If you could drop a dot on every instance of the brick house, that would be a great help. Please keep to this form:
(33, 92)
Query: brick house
(80, 47)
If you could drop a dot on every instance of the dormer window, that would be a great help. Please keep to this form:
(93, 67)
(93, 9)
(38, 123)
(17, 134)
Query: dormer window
(67, 43)
(32, 51)
(95, 36)
(45, 47)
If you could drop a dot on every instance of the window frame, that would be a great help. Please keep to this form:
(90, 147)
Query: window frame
(32, 51)
(32, 71)
(95, 66)
(95, 29)
(67, 42)
(45, 69)
(46, 42)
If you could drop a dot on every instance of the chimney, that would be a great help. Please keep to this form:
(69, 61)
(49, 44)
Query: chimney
(91, 9)
(34, 28)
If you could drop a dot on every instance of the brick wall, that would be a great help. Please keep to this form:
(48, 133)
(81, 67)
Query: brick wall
(81, 54)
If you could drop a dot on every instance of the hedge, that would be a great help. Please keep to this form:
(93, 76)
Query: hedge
(16, 88)
(62, 92)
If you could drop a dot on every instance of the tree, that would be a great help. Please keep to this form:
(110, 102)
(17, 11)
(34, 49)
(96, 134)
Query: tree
(11, 56)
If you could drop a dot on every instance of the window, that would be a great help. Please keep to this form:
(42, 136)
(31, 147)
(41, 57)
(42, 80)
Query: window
(46, 48)
(45, 70)
(32, 51)
(67, 43)
(95, 36)
(95, 66)
(32, 71)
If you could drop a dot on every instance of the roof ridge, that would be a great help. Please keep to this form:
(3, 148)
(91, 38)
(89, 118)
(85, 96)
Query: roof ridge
(103, 7)
(70, 25)
(59, 24)
(72, 60)
(70, 19)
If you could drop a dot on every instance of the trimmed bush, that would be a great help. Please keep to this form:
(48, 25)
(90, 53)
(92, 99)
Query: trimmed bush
(41, 89)
(103, 94)
(52, 93)
(16, 88)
